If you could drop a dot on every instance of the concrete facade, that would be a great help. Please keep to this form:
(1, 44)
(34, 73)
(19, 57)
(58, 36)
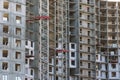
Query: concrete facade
(80, 40)
(12, 39)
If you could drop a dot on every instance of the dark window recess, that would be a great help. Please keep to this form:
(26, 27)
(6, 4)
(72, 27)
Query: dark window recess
(73, 62)
(73, 46)
(72, 54)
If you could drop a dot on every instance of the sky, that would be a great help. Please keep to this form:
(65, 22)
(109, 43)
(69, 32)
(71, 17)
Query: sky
(113, 0)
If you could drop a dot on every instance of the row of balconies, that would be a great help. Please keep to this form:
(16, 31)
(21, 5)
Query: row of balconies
(109, 30)
(109, 22)
(109, 15)
(86, 2)
(86, 26)
(87, 43)
(104, 67)
(111, 53)
(103, 22)
(109, 39)
(107, 45)
(87, 10)
(86, 51)
(104, 75)
(86, 67)
(112, 58)
(83, 2)
(89, 75)
(72, 55)
(87, 59)
(87, 19)
(109, 7)
(90, 35)
(82, 10)
(29, 54)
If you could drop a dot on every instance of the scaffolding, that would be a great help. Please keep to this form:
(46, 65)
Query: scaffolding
(40, 23)
(58, 39)
(44, 41)
(61, 46)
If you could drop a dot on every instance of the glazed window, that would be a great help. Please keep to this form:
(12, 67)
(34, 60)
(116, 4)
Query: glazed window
(5, 17)
(4, 65)
(73, 46)
(18, 19)
(18, 78)
(50, 69)
(18, 31)
(113, 74)
(113, 66)
(17, 67)
(4, 77)
(72, 54)
(32, 72)
(18, 43)
(5, 29)
(5, 53)
(18, 55)
(73, 62)
(5, 41)
(31, 44)
(5, 5)
(18, 7)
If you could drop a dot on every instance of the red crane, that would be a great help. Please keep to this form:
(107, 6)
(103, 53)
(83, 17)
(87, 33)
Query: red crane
(38, 18)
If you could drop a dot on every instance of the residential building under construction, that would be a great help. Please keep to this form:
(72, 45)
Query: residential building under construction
(59, 40)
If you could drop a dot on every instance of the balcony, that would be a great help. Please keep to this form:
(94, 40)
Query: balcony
(113, 54)
(103, 22)
(86, 59)
(72, 17)
(82, 50)
(103, 76)
(60, 73)
(103, 38)
(103, 30)
(72, 10)
(113, 61)
(103, 15)
(103, 6)
(87, 75)
(29, 55)
(113, 67)
(103, 68)
(83, 42)
(104, 53)
(112, 23)
(113, 46)
(112, 31)
(112, 15)
(104, 59)
(112, 7)
(86, 2)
